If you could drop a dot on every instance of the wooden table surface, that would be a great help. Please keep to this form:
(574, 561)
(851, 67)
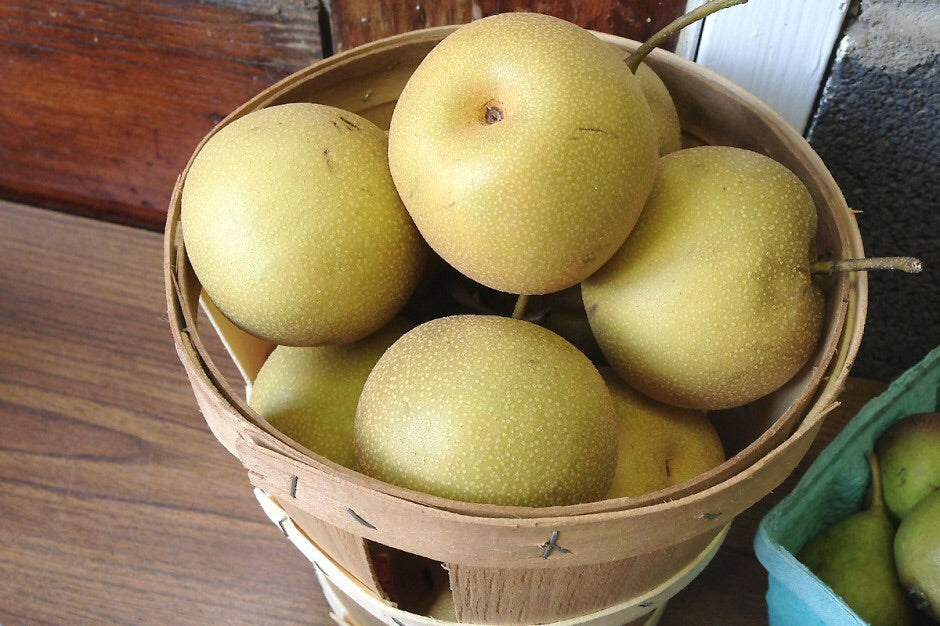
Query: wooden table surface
(116, 503)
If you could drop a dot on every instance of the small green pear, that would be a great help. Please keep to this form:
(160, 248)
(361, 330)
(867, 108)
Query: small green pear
(909, 452)
(524, 149)
(917, 554)
(488, 409)
(310, 394)
(855, 557)
(665, 116)
(710, 304)
(294, 228)
(658, 445)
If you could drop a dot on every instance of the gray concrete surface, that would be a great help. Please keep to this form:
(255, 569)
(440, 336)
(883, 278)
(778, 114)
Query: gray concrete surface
(877, 127)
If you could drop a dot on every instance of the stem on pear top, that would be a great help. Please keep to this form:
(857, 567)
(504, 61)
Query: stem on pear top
(633, 61)
(902, 263)
(877, 499)
(519, 310)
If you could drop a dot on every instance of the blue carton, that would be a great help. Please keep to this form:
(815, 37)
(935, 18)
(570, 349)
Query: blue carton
(833, 487)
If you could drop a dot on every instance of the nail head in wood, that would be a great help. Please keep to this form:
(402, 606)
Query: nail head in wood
(552, 545)
(280, 524)
(293, 486)
(356, 517)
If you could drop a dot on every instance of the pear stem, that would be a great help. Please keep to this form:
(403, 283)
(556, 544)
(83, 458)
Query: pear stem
(877, 498)
(903, 263)
(519, 310)
(633, 61)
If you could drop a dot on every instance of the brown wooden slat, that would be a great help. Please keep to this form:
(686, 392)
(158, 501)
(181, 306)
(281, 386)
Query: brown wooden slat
(347, 550)
(103, 101)
(493, 595)
(355, 22)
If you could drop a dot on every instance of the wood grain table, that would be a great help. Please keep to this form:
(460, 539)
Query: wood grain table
(116, 503)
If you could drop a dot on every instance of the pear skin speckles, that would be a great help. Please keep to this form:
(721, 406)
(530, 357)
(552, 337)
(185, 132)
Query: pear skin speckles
(659, 445)
(710, 303)
(665, 116)
(310, 393)
(488, 409)
(294, 227)
(539, 199)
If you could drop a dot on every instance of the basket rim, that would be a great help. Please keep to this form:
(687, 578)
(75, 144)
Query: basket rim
(850, 335)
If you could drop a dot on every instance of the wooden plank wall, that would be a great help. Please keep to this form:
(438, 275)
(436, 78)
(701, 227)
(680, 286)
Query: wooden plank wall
(354, 22)
(103, 101)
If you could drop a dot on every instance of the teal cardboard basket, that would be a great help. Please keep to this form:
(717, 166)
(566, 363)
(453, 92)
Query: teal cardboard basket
(833, 487)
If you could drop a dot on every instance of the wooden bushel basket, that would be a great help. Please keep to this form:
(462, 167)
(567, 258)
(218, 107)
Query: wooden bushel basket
(516, 564)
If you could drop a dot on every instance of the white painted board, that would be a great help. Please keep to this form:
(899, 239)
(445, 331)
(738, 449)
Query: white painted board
(779, 50)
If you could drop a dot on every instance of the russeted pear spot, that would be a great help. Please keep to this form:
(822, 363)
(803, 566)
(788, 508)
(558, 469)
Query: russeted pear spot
(310, 393)
(658, 445)
(710, 303)
(293, 226)
(488, 409)
(524, 149)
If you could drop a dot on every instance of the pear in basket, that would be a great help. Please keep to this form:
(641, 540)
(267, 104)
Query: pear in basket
(855, 557)
(293, 226)
(488, 409)
(711, 303)
(665, 116)
(917, 554)
(909, 452)
(524, 149)
(310, 393)
(658, 445)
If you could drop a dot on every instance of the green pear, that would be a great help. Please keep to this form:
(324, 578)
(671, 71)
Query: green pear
(310, 393)
(710, 303)
(909, 452)
(524, 149)
(294, 228)
(658, 445)
(917, 554)
(665, 116)
(488, 409)
(855, 557)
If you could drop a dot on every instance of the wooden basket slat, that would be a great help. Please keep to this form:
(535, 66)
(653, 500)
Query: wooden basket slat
(495, 542)
(512, 595)
(347, 549)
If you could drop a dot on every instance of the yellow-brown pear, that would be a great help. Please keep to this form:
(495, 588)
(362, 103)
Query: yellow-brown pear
(488, 409)
(293, 226)
(665, 116)
(310, 393)
(658, 445)
(524, 149)
(710, 304)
